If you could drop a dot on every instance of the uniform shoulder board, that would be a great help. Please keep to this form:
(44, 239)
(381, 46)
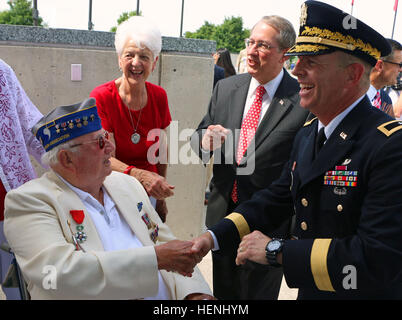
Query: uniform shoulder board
(390, 127)
(309, 122)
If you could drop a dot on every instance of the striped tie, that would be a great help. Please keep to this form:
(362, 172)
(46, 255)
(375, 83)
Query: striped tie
(377, 100)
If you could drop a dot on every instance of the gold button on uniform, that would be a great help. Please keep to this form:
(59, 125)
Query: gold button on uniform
(304, 202)
(303, 225)
(339, 208)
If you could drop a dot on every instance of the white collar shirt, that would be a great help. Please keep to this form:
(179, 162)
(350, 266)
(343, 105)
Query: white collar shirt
(113, 229)
(371, 93)
(270, 90)
(330, 127)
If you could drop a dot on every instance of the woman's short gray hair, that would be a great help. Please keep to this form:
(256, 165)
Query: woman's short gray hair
(143, 31)
(50, 158)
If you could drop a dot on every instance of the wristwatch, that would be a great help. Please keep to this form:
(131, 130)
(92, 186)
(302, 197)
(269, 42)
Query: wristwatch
(272, 249)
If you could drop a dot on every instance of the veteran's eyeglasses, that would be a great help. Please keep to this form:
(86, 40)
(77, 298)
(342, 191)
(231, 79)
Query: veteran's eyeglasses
(396, 63)
(101, 141)
(261, 46)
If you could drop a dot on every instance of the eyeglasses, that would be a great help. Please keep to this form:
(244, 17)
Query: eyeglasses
(396, 63)
(261, 46)
(101, 141)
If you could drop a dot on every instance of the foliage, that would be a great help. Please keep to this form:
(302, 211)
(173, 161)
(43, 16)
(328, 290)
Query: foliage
(20, 13)
(230, 34)
(123, 17)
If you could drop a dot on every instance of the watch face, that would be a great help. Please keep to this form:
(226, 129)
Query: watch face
(274, 245)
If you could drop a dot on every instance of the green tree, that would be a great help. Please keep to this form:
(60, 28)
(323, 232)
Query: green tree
(123, 17)
(20, 13)
(206, 32)
(230, 34)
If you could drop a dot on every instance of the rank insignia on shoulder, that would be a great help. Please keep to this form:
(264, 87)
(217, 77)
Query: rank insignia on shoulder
(309, 122)
(388, 128)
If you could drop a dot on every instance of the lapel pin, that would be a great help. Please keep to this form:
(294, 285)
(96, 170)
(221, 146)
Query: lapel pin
(139, 206)
(343, 135)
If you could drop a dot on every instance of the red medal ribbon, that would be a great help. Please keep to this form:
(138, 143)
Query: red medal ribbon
(78, 215)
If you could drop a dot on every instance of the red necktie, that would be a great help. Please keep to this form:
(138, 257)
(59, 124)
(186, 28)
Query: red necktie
(377, 100)
(247, 131)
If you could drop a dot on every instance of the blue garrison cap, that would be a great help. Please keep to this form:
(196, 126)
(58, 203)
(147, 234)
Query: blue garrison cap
(325, 29)
(67, 122)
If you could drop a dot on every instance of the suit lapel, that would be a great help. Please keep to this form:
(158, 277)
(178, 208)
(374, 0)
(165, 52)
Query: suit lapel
(238, 98)
(69, 200)
(127, 205)
(334, 150)
(276, 111)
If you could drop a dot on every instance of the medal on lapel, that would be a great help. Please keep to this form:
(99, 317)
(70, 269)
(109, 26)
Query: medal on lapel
(153, 228)
(154, 234)
(78, 216)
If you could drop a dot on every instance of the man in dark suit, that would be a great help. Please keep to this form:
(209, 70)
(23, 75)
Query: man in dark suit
(237, 175)
(343, 180)
(385, 73)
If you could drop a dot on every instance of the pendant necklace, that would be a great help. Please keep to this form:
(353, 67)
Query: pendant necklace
(135, 137)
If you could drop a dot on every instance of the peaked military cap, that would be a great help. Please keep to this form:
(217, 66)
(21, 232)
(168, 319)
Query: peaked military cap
(325, 29)
(67, 122)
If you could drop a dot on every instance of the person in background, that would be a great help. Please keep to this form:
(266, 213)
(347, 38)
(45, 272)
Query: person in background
(398, 108)
(136, 112)
(17, 116)
(222, 59)
(84, 231)
(394, 92)
(241, 62)
(385, 73)
(342, 181)
(263, 104)
(219, 73)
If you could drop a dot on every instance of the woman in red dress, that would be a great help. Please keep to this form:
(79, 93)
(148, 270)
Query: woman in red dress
(136, 112)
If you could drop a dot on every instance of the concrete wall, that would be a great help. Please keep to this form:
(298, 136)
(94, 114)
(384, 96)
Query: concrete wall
(42, 60)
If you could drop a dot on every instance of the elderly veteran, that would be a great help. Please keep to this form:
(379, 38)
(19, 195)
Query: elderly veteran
(342, 181)
(82, 231)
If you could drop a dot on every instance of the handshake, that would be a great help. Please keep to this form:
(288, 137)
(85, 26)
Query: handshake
(183, 256)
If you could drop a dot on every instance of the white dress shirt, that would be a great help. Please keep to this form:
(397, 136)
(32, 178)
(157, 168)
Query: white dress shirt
(113, 229)
(371, 93)
(270, 89)
(337, 120)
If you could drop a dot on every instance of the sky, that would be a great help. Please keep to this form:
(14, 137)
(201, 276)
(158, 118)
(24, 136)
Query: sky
(74, 14)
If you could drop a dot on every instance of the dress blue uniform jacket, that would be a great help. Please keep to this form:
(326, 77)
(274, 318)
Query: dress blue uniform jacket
(348, 207)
